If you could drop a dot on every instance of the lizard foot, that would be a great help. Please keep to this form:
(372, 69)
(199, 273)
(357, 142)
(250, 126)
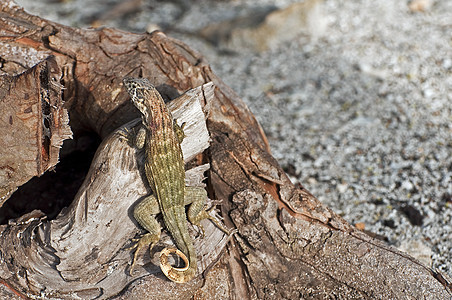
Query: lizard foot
(205, 214)
(126, 135)
(147, 240)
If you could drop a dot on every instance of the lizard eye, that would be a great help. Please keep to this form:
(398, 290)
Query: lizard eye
(139, 95)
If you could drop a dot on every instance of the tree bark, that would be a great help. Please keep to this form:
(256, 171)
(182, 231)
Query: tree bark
(288, 244)
(34, 125)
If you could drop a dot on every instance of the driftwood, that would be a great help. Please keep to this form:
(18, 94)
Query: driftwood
(288, 245)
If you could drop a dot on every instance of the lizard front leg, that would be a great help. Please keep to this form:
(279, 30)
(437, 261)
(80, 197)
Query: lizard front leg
(196, 197)
(144, 212)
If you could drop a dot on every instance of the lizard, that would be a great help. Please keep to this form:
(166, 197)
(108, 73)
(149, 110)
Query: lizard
(161, 136)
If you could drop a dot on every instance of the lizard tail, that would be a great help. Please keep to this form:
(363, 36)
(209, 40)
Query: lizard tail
(179, 275)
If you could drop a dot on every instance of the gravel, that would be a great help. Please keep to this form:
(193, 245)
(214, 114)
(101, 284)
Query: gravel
(360, 112)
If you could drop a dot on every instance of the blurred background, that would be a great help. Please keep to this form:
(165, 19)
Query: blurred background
(354, 96)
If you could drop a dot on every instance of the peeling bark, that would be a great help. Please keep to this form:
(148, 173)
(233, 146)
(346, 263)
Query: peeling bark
(33, 124)
(288, 244)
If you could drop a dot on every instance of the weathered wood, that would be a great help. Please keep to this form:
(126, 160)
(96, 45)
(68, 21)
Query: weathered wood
(288, 244)
(33, 124)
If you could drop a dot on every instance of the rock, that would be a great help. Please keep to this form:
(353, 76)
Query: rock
(413, 215)
(407, 185)
(342, 188)
(420, 5)
(418, 250)
(268, 28)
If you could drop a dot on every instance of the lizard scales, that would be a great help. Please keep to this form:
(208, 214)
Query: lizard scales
(164, 168)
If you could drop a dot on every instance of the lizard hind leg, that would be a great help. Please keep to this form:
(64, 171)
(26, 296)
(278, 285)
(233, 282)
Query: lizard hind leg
(197, 196)
(144, 212)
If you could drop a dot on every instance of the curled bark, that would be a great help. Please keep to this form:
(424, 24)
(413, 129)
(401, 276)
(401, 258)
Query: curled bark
(288, 244)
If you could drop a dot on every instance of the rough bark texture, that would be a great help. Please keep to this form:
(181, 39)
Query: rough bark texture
(33, 124)
(288, 245)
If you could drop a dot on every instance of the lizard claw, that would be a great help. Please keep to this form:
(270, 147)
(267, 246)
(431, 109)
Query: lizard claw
(216, 220)
(123, 134)
(134, 245)
(147, 240)
(126, 135)
(203, 232)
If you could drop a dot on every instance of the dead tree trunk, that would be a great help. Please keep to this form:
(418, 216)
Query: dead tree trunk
(288, 245)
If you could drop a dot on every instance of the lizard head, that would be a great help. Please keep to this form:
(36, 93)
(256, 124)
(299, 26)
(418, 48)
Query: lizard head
(139, 89)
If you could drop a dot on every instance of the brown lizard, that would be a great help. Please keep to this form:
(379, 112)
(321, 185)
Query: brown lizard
(164, 168)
